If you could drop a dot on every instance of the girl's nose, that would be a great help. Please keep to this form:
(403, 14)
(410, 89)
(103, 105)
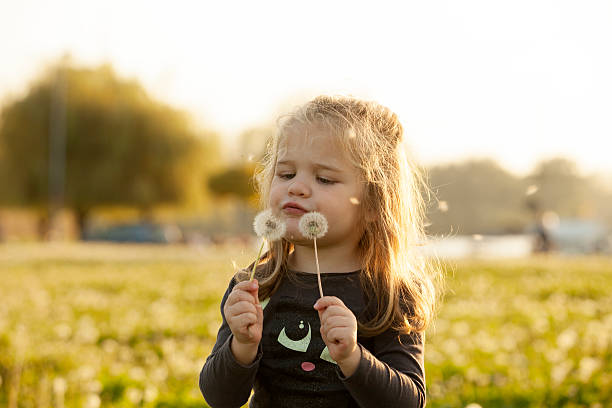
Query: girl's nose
(298, 188)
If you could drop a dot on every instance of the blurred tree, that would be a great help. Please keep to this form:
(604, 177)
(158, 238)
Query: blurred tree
(121, 146)
(476, 197)
(235, 181)
(479, 197)
(602, 197)
(234, 186)
(560, 188)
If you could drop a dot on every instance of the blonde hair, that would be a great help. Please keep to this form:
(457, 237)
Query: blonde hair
(401, 281)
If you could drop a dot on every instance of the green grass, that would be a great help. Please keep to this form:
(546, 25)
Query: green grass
(527, 333)
(105, 325)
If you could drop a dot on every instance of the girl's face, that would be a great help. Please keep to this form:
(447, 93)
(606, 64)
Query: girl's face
(313, 174)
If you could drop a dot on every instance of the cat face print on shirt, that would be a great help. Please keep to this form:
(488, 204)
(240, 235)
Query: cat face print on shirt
(293, 338)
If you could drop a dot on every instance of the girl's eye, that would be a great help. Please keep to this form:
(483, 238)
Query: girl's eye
(286, 176)
(325, 181)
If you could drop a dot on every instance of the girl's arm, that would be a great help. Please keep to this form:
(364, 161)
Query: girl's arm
(393, 375)
(225, 382)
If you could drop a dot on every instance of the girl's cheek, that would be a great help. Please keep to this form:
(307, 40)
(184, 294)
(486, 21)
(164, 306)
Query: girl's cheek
(274, 200)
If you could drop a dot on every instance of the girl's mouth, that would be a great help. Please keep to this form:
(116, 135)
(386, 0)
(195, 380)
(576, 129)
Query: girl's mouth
(294, 209)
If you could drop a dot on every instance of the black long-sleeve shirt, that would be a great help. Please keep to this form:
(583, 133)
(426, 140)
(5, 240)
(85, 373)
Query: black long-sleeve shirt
(293, 367)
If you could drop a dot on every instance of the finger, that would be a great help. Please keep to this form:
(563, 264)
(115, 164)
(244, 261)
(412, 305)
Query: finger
(337, 321)
(248, 287)
(240, 295)
(324, 335)
(338, 335)
(244, 320)
(327, 331)
(336, 310)
(243, 306)
(259, 313)
(255, 294)
(327, 301)
(253, 331)
(345, 316)
(247, 284)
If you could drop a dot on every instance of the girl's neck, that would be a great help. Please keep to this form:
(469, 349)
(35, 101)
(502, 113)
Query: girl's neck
(331, 260)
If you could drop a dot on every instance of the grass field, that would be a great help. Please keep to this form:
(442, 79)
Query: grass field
(104, 325)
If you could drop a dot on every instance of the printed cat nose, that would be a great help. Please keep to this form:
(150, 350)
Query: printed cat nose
(308, 366)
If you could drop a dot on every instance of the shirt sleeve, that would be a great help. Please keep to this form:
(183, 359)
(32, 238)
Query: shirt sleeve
(224, 382)
(393, 375)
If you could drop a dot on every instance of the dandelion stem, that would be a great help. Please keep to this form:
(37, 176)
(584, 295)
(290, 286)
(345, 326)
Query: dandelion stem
(318, 272)
(263, 241)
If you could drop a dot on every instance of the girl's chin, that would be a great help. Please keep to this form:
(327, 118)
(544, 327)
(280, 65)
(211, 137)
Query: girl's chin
(294, 236)
(299, 240)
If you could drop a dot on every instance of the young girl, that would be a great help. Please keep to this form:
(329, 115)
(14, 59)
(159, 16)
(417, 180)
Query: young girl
(362, 343)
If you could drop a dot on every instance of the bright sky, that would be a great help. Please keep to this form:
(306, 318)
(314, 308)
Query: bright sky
(517, 80)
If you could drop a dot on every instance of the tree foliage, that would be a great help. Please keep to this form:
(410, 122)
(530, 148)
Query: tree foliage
(235, 181)
(478, 196)
(121, 146)
(560, 187)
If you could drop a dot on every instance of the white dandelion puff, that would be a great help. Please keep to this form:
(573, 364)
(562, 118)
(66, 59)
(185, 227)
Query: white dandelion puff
(268, 227)
(313, 225)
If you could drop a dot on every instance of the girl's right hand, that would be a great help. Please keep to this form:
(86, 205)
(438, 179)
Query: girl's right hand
(244, 314)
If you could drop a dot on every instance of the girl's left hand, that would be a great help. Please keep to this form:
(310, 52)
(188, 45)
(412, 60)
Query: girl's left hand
(339, 332)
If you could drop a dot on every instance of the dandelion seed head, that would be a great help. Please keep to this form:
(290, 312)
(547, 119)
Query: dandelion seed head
(268, 226)
(313, 225)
